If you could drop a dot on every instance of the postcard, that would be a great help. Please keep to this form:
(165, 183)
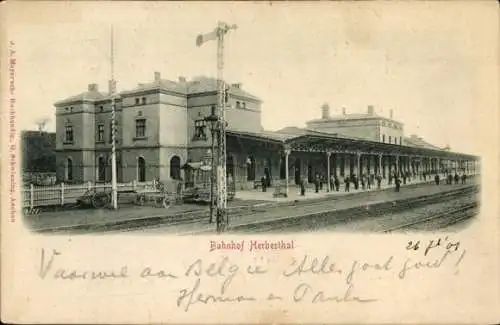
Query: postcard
(250, 162)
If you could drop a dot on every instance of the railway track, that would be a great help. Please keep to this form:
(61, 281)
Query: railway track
(443, 219)
(304, 210)
(321, 219)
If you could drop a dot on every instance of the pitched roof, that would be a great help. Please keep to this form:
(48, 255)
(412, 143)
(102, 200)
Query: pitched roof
(304, 131)
(85, 96)
(163, 84)
(268, 135)
(353, 116)
(206, 84)
(418, 142)
(196, 86)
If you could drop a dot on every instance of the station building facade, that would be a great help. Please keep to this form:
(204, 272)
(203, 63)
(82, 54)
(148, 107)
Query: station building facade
(159, 130)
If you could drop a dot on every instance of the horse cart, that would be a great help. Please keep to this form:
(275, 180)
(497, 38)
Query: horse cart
(100, 197)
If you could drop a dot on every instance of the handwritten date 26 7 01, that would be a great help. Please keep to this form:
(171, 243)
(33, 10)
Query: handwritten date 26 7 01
(444, 243)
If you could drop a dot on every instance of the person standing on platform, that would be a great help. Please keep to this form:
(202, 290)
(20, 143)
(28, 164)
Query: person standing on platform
(379, 181)
(264, 183)
(347, 183)
(363, 182)
(369, 181)
(464, 178)
(316, 183)
(456, 178)
(397, 182)
(336, 183)
(356, 182)
(332, 182)
(436, 179)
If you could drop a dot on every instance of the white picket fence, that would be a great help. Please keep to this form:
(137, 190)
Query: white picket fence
(38, 196)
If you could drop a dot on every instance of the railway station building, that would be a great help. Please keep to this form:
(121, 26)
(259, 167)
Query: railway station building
(161, 128)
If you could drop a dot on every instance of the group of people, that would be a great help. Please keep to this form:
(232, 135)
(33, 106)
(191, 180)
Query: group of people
(367, 181)
(450, 178)
(334, 183)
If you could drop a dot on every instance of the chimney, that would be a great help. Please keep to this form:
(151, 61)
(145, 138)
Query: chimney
(371, 110)
(157, 76)
(390, 114)
(93, 87)
(182, 80)
(343, 111)
(325, 111)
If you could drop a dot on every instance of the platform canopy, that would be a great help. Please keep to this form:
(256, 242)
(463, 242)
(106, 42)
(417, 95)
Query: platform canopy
(335, 143)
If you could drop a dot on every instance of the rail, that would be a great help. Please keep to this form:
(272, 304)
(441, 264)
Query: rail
(454, 215)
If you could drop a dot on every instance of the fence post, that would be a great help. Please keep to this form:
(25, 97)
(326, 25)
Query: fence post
(62, 193)
(32, 196)
(134, 185)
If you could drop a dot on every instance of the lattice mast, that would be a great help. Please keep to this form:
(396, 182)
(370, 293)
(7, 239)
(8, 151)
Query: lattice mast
(220, 156)
(112, 91)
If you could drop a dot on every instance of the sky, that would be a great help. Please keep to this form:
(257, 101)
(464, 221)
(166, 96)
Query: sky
(434, 64)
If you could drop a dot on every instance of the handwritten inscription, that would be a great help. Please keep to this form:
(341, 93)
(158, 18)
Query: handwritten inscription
(212, 281)
(443, 243)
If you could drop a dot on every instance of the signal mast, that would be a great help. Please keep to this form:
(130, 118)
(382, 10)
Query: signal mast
(220, 126)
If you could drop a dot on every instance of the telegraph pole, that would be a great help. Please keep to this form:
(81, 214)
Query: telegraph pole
(112, 90)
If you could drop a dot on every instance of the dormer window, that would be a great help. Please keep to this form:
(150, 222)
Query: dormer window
(244, 105)
(71, 109)
(143, 100)
(101, 108)
(237, 104)
(137, 101)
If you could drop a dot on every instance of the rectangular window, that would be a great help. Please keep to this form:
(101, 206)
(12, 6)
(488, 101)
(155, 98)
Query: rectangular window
(400, 141)
(140, 128)
(383, 138)
(68, 134)
(100, 133)
(390, 139)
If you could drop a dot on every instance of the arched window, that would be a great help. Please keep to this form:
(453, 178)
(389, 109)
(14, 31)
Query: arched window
(250, 169)
(383, 138)
(141, 169)
(175, 167)
(101, 169)
(69, 169)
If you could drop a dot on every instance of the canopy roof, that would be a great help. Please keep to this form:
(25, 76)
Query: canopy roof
(324, 142)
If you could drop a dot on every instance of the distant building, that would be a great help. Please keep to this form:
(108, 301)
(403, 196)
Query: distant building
(369, 126)
(159, 128)
(38, 149)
